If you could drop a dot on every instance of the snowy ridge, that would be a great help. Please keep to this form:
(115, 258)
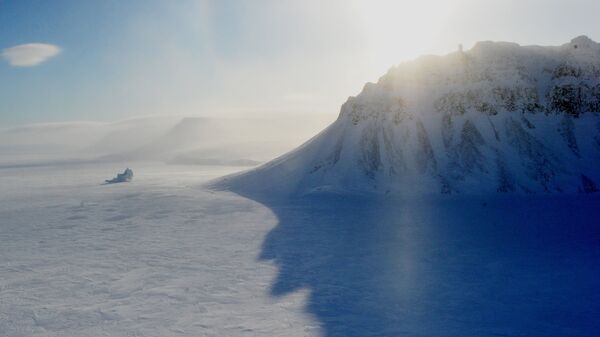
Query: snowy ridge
(497, 118)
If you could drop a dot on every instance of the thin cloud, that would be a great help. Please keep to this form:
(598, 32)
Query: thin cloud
(30, 54)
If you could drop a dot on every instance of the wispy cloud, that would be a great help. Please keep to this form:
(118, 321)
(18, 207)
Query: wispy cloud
(30, 54)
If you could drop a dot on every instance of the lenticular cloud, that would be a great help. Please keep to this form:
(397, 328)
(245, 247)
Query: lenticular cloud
(30, 54)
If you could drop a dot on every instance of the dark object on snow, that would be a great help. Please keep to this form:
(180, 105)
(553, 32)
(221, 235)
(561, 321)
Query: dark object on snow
(124, 177)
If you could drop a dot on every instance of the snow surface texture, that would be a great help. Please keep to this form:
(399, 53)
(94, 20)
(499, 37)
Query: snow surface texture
(160, 257)
(497, 118)
(155, 257)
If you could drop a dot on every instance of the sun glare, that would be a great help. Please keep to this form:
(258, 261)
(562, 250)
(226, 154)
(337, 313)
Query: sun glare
(402, 30)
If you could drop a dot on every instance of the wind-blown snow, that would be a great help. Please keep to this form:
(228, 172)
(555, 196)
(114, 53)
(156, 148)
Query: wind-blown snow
(198, 140)
(497, 118)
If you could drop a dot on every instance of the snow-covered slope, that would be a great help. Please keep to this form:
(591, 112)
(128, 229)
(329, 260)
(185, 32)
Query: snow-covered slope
(497, 118)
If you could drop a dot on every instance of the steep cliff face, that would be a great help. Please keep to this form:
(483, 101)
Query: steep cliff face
(499, 118)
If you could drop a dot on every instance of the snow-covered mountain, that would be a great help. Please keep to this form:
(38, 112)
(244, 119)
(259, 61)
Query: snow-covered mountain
(499, 117)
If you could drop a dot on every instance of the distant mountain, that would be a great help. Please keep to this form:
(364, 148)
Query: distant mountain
(499, 118)
(130, 134)
(226, 141)
(244, 141)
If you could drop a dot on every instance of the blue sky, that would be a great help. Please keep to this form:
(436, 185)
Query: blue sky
(124, 58)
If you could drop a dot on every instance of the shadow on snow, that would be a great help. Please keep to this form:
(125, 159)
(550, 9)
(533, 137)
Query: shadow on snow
(449, 266)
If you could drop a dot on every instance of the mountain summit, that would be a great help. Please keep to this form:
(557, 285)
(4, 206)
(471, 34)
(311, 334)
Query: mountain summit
(498, 118)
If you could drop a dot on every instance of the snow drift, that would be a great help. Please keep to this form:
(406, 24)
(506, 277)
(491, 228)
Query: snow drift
(497, 118)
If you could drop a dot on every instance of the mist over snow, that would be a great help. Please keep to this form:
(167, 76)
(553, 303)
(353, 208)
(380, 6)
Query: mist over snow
(171, 139)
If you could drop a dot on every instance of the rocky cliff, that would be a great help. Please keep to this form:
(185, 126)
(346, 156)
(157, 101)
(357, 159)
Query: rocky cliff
(498, 118)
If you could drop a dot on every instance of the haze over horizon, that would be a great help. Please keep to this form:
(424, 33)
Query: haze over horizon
(109, 60)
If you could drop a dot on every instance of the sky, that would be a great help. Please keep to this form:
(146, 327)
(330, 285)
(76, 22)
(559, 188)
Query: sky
(72, 60)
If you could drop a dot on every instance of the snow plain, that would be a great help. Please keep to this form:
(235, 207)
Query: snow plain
(165, 256)
(154, 257)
